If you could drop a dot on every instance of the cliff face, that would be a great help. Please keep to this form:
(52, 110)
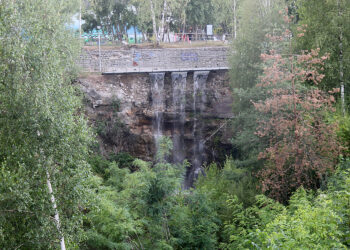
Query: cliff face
(130, 111)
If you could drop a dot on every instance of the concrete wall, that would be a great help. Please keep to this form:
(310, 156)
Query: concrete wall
(155, 60)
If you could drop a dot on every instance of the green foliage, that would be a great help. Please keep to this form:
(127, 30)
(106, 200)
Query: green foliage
(343, 131)
(193, 222)
(165, 146)
(199, 12)
(42, 133)
(232, 192)
(306, 224)
(220, 184)
(298, 145)
(108, 225)
(319, 221)
(108, 127)
(123, 159)
(223, 17)
(310, 220)
(147, 209)
(257, 20)
(339, 185)
(239, 228)
(130, 203)
(98, 164)
(115, 104)
(246, 142)
(327, 32)
(112, 16)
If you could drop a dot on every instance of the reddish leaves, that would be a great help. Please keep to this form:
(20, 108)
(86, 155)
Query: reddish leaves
(302, 144)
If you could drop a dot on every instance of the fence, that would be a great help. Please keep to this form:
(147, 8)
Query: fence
(106, 40)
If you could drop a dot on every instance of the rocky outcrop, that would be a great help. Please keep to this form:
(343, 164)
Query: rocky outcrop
(121, 108)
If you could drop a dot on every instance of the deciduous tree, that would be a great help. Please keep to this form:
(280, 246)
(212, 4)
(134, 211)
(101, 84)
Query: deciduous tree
(303, 146)
(44, 137)
(328, 32)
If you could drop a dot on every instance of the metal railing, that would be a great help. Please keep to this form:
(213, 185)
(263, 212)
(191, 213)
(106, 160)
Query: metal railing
(105, 40)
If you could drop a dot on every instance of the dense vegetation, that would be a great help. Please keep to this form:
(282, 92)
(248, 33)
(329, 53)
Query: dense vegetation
(158, 17)
(285, 186)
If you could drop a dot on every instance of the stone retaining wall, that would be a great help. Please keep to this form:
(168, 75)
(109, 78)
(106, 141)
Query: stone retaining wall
(153, 60)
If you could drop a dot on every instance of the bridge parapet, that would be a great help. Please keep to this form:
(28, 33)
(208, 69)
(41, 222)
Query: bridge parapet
(154, 60)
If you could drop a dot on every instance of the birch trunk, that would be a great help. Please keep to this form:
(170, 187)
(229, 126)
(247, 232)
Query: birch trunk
(235, 19)
(54, 205)
(341, 72)
(341, 63)
(161, 31)
(154, 22)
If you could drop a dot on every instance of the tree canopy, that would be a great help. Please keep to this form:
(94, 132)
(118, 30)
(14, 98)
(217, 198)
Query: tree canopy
(44, 137)
(285, 184)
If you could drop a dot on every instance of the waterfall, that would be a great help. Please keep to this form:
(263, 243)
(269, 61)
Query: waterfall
(179, 80)
(198, 106)
(158, 105)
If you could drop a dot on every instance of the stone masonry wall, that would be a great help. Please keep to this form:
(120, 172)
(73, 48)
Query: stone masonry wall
(154, 60)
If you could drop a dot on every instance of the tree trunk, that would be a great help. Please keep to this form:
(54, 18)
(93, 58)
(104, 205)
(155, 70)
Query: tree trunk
(341, 72)
(341, 63)
(54, 205)
(119, 34)
(161, 32)
(154, 22)
(114, 35)
(234, 19)
(183, 29)
(168, 33)
(184, 18)
(264, 7)
(126, 34)
(135, 35)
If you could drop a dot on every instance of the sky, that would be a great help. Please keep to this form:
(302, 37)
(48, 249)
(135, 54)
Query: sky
(75, 22)
(75, 25)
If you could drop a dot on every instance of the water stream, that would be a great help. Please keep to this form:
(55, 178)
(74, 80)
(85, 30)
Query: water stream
(198, 106)
(158, 104)
(179, 81)
(195, 153)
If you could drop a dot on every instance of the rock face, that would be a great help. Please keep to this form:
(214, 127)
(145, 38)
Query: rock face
(130, 111)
